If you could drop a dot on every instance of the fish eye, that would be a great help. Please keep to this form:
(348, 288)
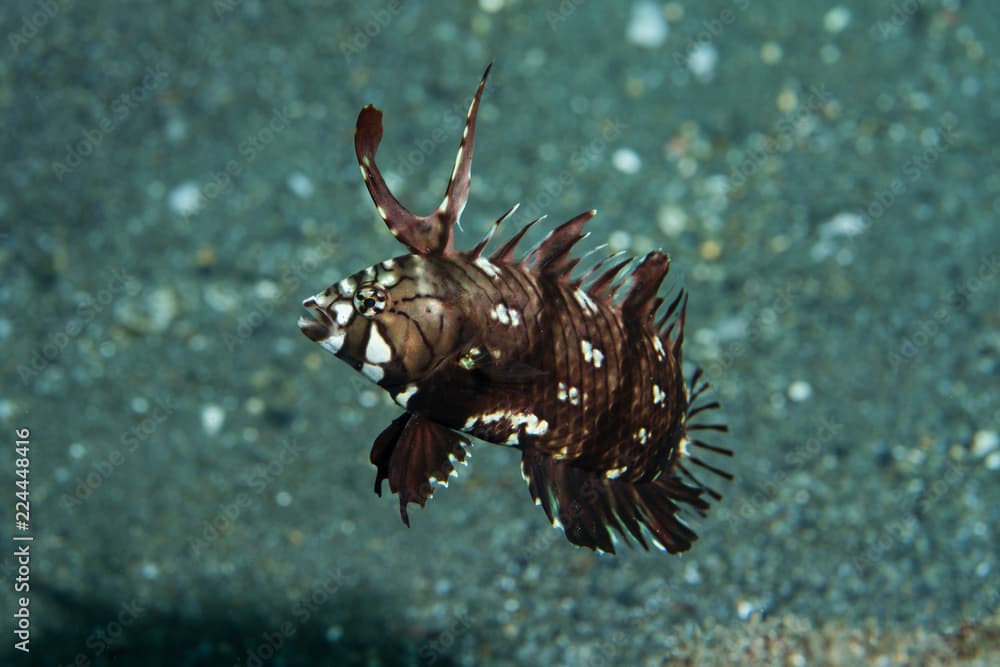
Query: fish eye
(370, 299)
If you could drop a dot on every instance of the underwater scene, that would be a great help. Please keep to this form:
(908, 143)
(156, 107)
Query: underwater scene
(501, 333)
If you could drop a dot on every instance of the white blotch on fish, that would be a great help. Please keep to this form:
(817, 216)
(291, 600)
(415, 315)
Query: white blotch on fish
(591, 354)
(532, 424)
(342, 313)
(586, 303)
(403, 397)
(333, 343)
(504, 315)
(660, 352)
(487, 267)
(378, 351)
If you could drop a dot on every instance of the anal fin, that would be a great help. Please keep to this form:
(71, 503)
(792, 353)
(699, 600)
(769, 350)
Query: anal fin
(587, 503)
(414, 453)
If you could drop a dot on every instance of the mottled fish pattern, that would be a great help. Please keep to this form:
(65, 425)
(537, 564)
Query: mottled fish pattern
(578, 372)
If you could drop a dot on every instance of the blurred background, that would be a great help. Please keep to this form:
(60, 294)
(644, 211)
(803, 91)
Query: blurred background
(178, 176)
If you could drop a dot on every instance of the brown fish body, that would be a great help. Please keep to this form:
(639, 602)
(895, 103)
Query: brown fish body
(548, 366)
(577, 372)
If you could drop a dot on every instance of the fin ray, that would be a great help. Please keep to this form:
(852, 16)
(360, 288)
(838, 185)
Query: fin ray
(424, 235)
(587, 503)
(413, 453)
(552, 256)
(644, 283)
(409, 228)
(457, 193)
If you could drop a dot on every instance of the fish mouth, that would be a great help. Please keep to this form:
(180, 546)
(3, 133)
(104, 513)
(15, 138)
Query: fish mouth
(316, 328)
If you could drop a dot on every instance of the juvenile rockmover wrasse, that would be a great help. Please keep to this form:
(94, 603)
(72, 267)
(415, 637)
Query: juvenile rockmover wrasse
(576, 372)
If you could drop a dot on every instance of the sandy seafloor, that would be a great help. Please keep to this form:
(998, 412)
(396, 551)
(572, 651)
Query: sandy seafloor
(178, 176)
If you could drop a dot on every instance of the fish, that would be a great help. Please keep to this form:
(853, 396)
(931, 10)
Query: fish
(581, 372)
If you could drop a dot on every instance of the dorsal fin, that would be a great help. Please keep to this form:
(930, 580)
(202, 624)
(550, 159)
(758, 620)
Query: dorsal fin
(552, 256)
(424, 235)
(661, 326)
(505, 252)
(580, 280)
(478, 250)
(602, 288)
(637, 302)
(679, 339)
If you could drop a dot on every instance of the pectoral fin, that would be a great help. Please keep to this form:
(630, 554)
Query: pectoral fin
(414, 454)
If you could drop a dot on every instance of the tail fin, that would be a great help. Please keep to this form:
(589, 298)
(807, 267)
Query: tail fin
(585, 504)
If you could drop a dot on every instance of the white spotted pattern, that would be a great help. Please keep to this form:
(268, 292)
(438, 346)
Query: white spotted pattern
(403, 397)
(642, 435)
(574, 396)
(682, 447)
(658, 396)
(660, 352)
(346, 287)
(532, 424)
(586, 303)
(378, 351)
(342, 313)
(504, 315)
(333, 343)
(615, 473)
(591, 354)
(487, 267)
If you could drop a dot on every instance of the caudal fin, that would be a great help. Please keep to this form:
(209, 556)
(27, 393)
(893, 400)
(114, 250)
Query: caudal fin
(588, 505)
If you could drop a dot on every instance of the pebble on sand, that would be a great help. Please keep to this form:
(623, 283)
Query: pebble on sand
(647, 26)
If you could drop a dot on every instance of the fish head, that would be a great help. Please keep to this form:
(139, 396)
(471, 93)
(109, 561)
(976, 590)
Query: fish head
(394, 322)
